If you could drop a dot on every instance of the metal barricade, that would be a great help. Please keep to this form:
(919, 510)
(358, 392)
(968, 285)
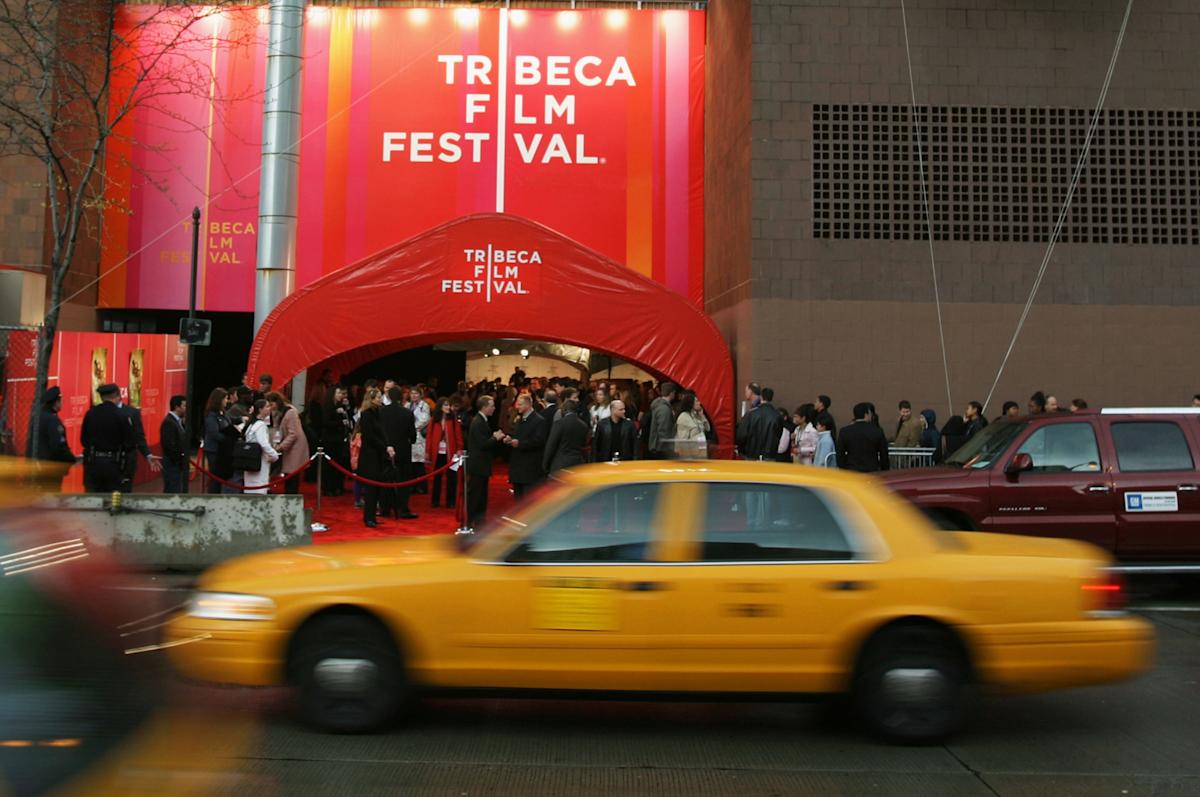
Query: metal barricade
(899, 457)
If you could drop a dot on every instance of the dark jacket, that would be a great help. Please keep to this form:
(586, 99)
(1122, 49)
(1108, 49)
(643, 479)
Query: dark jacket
(173, 439)
(106, 428)
(336, 424)
(525, 464)
(662, 427)
(758, 432)
(863, 447)
(52, 438)
(954, 434)
(400, 431)
(612, 438)
(139, 431)
(548, 413)
(564, 446)
(481, 446)
(372, 457)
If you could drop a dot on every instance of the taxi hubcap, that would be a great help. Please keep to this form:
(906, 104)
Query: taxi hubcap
(914, 685)
(346, 676)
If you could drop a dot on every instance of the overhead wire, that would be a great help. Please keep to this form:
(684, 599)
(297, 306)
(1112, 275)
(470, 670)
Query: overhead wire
(1079, 164)
(919, 135)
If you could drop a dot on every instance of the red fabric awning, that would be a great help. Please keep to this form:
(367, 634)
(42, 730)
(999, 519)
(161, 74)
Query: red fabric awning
(494, 275)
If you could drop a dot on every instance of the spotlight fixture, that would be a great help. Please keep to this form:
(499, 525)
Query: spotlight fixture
(525, 353)
(496, 352)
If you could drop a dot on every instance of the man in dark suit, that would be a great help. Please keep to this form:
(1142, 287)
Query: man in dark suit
(862, 445)
(564, 446)
(138, 446)
(400, 431)
(174, 447)
(551, 406)
(482, 445)
(615, 438)
(528, 439)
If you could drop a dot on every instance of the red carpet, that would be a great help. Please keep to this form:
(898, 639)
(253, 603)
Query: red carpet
(346, 523)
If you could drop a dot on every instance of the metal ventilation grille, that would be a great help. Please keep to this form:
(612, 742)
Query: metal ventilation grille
(1001, 174)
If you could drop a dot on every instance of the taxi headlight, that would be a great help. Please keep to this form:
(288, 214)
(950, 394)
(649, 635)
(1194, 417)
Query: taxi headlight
(231, 606)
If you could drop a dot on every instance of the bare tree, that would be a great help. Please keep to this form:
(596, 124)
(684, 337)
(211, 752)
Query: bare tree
(71, 72)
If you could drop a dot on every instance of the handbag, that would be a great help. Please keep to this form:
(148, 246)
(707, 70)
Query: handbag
(247, 454)
(355, 450)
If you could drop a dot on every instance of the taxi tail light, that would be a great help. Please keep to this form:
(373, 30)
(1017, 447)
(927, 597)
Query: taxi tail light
(1106, 593)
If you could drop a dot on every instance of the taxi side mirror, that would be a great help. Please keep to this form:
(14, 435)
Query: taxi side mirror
(1020, 463)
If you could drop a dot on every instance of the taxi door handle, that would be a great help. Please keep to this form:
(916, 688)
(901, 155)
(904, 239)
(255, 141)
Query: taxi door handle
(645, 586)
(847, 586)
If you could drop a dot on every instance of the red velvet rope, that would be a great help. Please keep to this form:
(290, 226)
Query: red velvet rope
(272, 483)
(408, 483)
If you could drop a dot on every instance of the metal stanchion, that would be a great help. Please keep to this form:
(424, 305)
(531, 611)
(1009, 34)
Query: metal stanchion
(465, 527)
(320, 475)
(320, 460)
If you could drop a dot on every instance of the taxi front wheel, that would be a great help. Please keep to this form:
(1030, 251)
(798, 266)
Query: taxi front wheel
(911, 684)
(348, 673)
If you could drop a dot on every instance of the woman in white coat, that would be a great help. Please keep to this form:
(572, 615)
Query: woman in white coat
(259, 432)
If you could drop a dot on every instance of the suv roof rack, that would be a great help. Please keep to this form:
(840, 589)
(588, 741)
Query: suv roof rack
(1150, 411)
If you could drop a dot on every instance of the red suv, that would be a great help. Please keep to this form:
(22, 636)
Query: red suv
(1127, 480)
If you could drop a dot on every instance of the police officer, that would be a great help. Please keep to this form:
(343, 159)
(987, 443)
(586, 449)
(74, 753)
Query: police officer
(52, 435)
(139, 445)
(107, 435)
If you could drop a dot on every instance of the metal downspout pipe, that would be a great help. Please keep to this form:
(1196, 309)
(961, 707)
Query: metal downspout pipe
(279, 177)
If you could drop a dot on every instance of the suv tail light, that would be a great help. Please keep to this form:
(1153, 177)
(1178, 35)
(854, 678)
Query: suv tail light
(1105, 593)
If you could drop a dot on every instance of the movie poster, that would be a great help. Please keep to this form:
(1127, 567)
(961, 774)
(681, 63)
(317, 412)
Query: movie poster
(136, 365)
(99, 371)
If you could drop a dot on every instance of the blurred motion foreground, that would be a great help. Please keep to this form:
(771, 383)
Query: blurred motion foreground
(85, 707)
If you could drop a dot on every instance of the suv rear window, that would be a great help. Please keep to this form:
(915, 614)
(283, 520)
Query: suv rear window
(1151, 446)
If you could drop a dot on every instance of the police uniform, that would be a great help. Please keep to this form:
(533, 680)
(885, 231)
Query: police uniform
(107, 434)
(52, 435)
(137, 444)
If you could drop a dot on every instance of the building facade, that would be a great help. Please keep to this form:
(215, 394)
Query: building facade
(818, 260)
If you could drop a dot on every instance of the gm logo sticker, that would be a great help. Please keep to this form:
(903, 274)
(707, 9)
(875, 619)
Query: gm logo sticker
(1133, 502)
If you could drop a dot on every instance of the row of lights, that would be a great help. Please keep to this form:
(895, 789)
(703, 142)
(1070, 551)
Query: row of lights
(496, 353)
(614, 18)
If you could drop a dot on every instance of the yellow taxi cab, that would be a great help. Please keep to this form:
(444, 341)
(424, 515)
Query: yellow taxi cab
(643, 578)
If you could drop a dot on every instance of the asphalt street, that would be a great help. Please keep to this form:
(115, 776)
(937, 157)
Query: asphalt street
(1135, 738)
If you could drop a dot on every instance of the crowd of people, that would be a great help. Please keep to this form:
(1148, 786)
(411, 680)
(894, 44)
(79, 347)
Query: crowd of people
(391, 434)
(810, 436)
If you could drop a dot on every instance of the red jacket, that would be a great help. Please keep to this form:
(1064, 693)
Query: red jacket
(433, 436)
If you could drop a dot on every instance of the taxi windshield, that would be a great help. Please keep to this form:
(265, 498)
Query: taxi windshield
(503, 530)
(981, 451)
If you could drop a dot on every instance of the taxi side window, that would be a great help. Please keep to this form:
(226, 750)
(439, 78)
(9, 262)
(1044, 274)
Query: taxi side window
(1144, 446)
(614, 524)
(1063, 447)
(770, 523)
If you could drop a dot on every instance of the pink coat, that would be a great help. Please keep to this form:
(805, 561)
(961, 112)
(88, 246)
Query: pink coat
(293, 445)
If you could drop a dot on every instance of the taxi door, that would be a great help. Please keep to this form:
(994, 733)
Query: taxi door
(765, 575)
(579, 602)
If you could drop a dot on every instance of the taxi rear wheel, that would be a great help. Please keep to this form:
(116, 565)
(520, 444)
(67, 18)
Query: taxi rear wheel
(911, 684)
(348, 674)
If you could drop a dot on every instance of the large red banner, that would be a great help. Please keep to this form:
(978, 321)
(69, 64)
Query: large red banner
(148, 368)
(590, 122)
